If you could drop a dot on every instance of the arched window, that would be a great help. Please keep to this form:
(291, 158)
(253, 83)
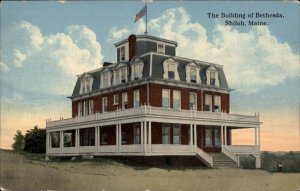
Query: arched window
(86, 83)
(170, 69)
(192, 72)
(212, 76)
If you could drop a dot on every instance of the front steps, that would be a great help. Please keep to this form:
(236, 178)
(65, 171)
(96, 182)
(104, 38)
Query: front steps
(220, 160)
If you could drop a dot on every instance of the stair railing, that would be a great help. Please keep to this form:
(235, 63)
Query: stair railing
(228, 153)
(208, 158)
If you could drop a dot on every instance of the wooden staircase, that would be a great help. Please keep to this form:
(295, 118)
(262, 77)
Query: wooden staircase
(220, 160)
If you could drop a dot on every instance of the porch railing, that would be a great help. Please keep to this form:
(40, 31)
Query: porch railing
(208, 158)
(231, 155)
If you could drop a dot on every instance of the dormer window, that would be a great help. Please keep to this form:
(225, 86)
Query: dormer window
(124, 74)
(122, 53)
(105, 78)
(137, 66)
(160, 48)
(212, 76)
(170, 69)
(192, 72)
(86, 83)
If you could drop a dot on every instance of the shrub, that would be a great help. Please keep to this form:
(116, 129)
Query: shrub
(19, 142)
(35, 140)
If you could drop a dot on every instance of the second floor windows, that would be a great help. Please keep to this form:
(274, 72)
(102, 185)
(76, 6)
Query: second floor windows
(193, 101)
(176, 99)
(136, 98)
(217, 104)
(86, 108)
(116, 99)
(104, 105)
(208, 102)
(165, 98)
(124, 101)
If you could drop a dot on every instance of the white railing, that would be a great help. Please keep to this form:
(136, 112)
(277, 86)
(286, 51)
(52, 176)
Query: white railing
(170, 149)
(130, 148)
(228, 153)
(208, 158)
(243, 149)
(158, 111)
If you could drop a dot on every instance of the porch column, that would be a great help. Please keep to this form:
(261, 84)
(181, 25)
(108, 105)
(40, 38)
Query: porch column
(222, 134)
(258, 129)
(117, 137)
(257, 161)
(255, 134)
(61, 141)
(191, 136)
(142, 136)
(149, 136)
(145, 136)
(225, 135)
(47, 142)
(120, 137)
(195, 134)
(77, 140)
(97, 138)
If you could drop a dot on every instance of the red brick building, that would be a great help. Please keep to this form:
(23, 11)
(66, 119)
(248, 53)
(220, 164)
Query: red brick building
(153, 104)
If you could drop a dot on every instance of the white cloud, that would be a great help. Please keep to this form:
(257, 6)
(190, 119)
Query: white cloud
(252, 60)
(3, 67)
(117, 34)
(53, 59)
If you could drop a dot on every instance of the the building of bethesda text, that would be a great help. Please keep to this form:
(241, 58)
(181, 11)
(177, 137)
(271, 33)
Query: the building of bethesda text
(155, 106)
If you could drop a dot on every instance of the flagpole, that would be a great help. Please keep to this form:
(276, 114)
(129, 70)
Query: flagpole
(146, 19)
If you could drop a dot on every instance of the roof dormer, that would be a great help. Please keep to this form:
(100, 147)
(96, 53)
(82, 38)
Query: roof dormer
(86, 83)
(212, 76)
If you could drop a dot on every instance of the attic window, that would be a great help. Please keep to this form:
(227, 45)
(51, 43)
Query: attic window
(137, 66)
(212, 76)
(122, 53)
(160, 48)
(170, 69)
(86, 84)
(193, 74)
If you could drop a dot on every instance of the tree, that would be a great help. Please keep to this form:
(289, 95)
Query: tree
(35, 140)
(19, 142)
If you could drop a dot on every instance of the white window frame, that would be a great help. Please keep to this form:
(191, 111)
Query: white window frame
(104, 104)
(217, 102)
(86, 83)
(208, 97)
(188, 68)
(91, 107)
(179, 100)
(116, 99)
(136, 98)
(108, 83)
(177, 138)
(162, 96)
(163, 50)
(85, 108)
(166, 69)
(195, 106)
(121, 53)
(80, 109)
(124, 78)
(165, 133)
(124, 101)
(208, 72)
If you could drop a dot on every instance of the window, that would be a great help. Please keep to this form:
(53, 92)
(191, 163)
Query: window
(136, 98)
(116, 99)
(137, 132)
(160, 48)
(103, 138)
(124, 74)
(208, 104)
(193, 73)
(193, 103)
(124, 101)
(87, 136)
(80, 110)
(212, 78)
(217, 137)
(86, 107)
(55, 139)
(137, 65)
(117, 77)
(86, 83)
(165, 133)
(69, 138)
(217, 104)
(176, 99)
(170, 69)
(104, 105)
(123, 137)
(165, 98)
(105, 80)
(176, 134)
(91, 107)
(136, 71)
(208, 135)
(122, 53)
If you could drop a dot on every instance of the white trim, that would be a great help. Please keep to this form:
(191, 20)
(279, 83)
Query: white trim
(150, 72)
(155, 41)
(166, 71)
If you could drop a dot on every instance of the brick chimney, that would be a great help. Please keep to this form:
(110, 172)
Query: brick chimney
(132, 46)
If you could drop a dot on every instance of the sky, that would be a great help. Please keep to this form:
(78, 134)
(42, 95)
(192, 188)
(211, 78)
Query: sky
(45, 44)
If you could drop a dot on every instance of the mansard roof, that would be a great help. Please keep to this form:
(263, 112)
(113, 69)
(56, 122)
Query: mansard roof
(148, 37)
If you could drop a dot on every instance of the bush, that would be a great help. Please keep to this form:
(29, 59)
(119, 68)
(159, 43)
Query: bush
(19, 142)
(35, 140)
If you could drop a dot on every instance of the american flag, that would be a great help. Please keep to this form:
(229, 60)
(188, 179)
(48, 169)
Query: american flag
(140, 14)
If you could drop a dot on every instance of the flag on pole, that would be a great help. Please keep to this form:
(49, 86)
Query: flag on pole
(140, 14)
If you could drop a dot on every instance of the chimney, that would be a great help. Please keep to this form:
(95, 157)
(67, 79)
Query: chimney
(132, 46)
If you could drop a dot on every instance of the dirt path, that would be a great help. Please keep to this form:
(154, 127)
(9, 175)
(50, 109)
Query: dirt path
(18, 173)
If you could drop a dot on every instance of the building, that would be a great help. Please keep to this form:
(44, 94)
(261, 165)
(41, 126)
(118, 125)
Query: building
(154, 105)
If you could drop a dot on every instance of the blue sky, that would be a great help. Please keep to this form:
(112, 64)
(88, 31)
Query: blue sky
(45, 44)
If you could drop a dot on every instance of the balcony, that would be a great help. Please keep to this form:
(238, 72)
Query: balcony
(158, 114)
